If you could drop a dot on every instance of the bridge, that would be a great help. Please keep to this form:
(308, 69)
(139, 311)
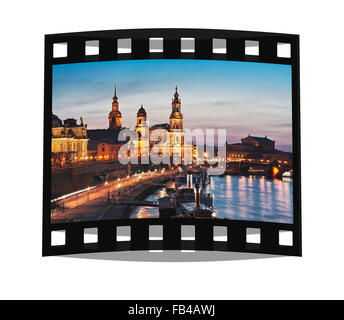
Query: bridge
(269, 169)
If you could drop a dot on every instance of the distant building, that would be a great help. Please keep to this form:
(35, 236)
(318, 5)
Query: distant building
(68, 142)
(257, 149)
(263, 144)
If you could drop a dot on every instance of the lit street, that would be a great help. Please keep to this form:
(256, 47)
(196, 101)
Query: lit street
(92, 203)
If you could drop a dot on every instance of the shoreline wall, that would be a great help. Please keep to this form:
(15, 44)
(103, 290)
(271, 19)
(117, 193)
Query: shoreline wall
(68, 180)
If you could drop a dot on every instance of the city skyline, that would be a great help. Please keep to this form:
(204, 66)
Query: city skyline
(243, 97)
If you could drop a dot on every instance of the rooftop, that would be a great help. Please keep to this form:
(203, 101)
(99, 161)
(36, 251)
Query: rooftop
(264, 139)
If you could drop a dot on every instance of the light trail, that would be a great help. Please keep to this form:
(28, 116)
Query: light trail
(73, 194)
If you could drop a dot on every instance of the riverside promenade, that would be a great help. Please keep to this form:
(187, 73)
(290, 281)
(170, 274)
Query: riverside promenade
(98, 202)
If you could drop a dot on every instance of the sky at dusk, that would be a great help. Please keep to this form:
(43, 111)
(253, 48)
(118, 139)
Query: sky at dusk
(243, 97)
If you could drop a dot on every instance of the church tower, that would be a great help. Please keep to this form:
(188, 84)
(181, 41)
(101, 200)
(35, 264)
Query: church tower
(176, 130)
(176, 117)
(115, 116)
(142, 135)
(141, 125)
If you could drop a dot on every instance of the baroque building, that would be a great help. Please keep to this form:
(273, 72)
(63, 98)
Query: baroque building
(68, 142)
(73, 142)
(176, 117)
(257, 149)
(174, 144)
(178, 146)
(103, 143)
(115, 116)
(142, 142)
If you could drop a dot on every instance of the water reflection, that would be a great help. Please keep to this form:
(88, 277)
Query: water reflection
(241, 198)
(149, 212)
(253, 198)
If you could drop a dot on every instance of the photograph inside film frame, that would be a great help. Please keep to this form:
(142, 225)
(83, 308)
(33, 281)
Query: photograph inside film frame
(179, 139)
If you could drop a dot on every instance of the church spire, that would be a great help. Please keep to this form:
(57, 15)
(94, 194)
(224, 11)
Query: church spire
(115, 116)
(115, 99)
(176, 96)
(176, 117)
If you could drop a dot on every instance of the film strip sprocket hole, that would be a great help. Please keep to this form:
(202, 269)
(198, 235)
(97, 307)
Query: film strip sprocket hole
(172, 234)
(179, 44)
(175, 235)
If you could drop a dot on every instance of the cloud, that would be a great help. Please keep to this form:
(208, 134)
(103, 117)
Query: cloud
(243, 97)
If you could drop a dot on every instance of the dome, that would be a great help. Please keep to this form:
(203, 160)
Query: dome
(176, 94)
(115, 114)
(142, 111)
(56, 121)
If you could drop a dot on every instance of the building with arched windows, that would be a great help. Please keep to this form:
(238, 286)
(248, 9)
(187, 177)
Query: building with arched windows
(73, 142)
(173, 144)
(103, 144)
(68, 142)
(257, 149)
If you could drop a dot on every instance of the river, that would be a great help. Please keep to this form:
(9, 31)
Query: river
(241, 198)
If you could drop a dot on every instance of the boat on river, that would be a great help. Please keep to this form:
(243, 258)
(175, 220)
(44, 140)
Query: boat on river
(186, 201)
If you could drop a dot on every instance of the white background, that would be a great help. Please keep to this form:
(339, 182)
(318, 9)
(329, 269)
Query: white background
(25, 274)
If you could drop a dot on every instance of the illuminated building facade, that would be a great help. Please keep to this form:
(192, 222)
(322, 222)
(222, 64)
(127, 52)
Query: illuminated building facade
(115, 116)
(174, 145)
(142, 142)
(72, 142)
(103, 144)
(176, 127)
(68, 142)
(108, 151)
(257, 149)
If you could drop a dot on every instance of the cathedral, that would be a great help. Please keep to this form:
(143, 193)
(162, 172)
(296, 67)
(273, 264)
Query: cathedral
(174, 145)
(77, 143)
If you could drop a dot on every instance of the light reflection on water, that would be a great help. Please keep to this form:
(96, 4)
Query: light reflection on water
(253, 198)
(149, 212)
(241, 198)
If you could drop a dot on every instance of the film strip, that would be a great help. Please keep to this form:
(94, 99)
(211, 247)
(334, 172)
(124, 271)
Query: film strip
(202, 233)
